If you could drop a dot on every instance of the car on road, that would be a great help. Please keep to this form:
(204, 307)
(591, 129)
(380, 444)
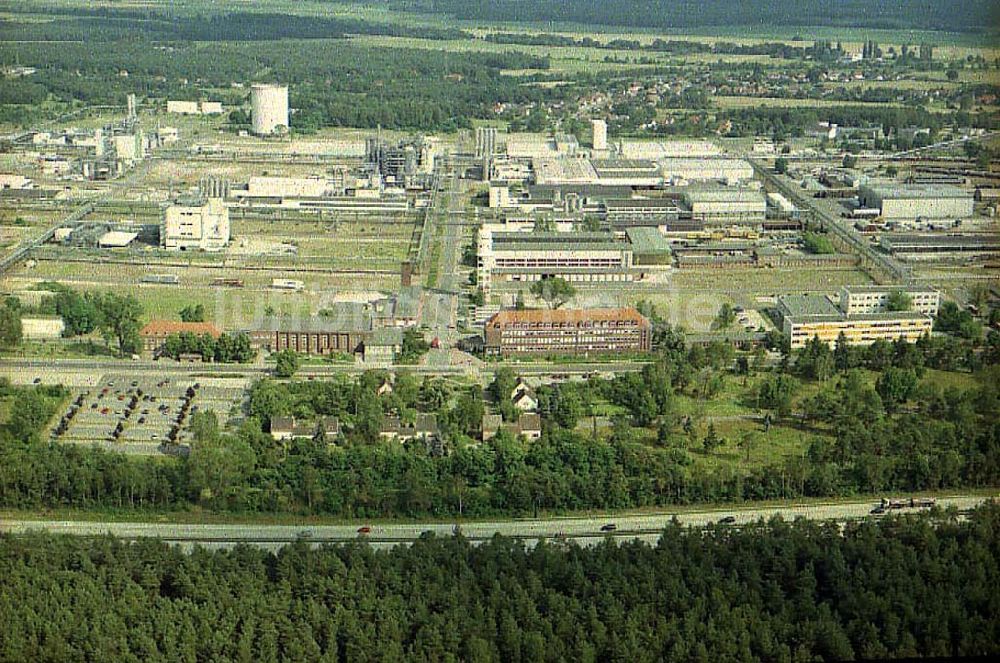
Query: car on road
(364, 529)
(877, 511)
(609, 527)
(727, 520)
(305, 534)
(37, 381)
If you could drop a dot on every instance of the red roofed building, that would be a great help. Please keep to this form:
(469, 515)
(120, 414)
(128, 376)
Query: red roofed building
(567, 331)
(157, 331)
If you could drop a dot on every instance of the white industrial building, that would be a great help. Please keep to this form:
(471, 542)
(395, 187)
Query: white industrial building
(598, 172)
(576, 257)
(183, 107)
(656, 150)
(116, 239)
(295, 187)
(12, 181)
(912, 201)
(195, 223)
(211, 108)
(268, 108)
(726, 205)
(676, 169)
(858, 299)
(805, 317)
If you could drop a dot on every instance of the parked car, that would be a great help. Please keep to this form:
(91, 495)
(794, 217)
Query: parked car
(610, 527)
(727, 520)
(364, 529)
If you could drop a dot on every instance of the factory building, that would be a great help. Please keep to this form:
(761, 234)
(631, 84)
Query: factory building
(676, 169)
(624, 212)
(567, 331)
(858, 299)
(912, 201)
(268, 109)
(347, 334)
(601, 172)
(659, 150)
(804, 317)
(929, 244)
(575, 257)
(195, 223)
(726, 205)
(183, 107)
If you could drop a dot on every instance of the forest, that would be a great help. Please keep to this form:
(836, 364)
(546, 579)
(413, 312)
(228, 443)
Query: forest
(958, 15)
(777, 591)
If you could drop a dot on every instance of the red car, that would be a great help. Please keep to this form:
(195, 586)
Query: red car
(364, 529)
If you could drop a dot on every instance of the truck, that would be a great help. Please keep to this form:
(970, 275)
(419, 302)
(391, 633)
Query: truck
(287, 284)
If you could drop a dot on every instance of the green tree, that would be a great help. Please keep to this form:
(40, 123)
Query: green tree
(726, 317)
(898, 300)
(554, 291)
(895, 386)
(119, 319)
(286, 363)
(10, 324)
(712, 441)
(781, 165)
(193, 313)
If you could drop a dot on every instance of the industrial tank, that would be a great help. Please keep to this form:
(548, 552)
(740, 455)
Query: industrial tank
(269, 108)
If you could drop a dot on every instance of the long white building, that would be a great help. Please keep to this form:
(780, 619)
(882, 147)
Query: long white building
(575, 257)
(859, 299)
(912, 201)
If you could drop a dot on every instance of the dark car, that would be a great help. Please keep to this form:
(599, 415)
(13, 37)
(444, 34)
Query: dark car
(610, 527)
(877, 511)
(727, 520)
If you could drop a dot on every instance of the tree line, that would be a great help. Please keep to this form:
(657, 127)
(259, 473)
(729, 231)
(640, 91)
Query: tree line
(777, 591)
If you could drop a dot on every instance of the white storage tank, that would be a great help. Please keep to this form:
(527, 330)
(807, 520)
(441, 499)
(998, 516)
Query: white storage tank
(269, 108)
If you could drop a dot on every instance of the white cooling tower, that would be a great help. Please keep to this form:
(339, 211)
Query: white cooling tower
(269, 108)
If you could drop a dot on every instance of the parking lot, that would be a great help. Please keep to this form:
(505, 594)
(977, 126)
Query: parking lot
(147, 414)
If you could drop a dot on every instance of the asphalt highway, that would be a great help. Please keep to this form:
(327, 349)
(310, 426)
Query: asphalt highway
(584, 530)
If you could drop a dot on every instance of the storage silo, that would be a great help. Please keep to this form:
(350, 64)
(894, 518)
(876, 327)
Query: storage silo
(269, 108)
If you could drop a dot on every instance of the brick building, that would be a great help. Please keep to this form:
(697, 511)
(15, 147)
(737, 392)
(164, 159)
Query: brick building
(567, 331)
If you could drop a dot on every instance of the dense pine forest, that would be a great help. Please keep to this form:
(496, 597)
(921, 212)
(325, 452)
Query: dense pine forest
(771, 592)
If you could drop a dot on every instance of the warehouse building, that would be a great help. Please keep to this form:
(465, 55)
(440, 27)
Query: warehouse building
(624, 212)
(912, 201)
(929, 244)
(717, 169)
(195, 223)
(567, 331)
(649, 246)
(349, 335)
(804, 317)
(857, 299)
(726, 205)
(575, 257)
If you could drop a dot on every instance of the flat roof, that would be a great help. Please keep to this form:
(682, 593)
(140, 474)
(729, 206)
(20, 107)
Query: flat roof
(888, 288)
(896, 190)
(509, 316)
(645, 239)
(117, 238)
(984, 239)
(726, 195)
(808, 305)
(549, 241)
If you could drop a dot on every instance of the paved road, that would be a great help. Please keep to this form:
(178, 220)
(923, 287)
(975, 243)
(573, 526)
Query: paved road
(584, 530)
(53, 371)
